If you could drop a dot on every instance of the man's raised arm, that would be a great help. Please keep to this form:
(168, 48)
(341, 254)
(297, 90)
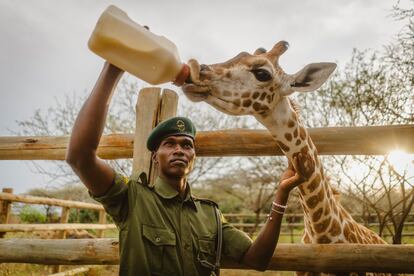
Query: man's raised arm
(87, 131)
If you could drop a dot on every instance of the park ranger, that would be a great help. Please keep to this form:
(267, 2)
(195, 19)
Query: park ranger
(163, 228)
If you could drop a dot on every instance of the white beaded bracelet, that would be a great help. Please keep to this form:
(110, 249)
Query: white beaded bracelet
(277, 211)
(279, 205)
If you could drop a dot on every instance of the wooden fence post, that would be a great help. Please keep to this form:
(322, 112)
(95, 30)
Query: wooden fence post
(64, 218)
(145, 120)
(167, 108)
(151, 108)
(5, 209)
(102, 220)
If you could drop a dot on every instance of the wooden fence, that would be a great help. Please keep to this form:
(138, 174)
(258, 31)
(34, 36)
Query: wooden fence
(7, 198)
(287, 257)
(154, 107)
(237, 220)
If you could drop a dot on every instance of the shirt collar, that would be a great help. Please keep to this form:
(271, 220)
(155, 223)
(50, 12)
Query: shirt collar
(166, 191)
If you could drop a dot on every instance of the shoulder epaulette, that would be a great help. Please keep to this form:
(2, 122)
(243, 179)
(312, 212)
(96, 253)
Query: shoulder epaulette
(205, 200)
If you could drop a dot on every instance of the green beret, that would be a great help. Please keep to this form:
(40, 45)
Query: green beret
(169, 127)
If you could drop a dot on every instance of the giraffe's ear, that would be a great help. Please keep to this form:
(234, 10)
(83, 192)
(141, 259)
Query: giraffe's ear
(312, 76)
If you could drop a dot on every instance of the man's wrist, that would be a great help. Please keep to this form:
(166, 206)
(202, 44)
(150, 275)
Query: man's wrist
(284, 191)
(112, 70)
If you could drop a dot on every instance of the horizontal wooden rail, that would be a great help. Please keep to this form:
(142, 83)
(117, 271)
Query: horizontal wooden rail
(288, 257)
(252, 215)
(371, 140)
(54, 227)
(50, 201)
(299, 224)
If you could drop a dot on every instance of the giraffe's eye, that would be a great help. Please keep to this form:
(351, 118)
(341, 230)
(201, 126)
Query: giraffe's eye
(262, 74)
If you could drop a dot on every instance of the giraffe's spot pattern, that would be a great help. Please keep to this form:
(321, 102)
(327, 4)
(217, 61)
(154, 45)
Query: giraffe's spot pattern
(321, 195)
(283, 146)
(227, 93)
(322, 226)
(255, 95)
(312, 202)
(352, 238)
(327, 209)
(263, 96)
(297, 142)
(246, 95)
(247, 103)
(304, 150)
(310, 143)
(302, 133)
(236, 102)
(322, 173)
(228, 74)
(269, 98)
(317, 215)
(291, 123)
(323, 239)
(295, 133)
(314, 184)
(288, 136)
(347, 230)
(271, 89)
(341, 216)
(264, 107)
(335, 228)
(256, 106)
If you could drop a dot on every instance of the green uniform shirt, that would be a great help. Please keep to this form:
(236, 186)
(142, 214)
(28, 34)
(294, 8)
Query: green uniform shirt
(161, 234)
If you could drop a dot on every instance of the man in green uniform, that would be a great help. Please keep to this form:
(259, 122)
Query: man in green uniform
(164, 229)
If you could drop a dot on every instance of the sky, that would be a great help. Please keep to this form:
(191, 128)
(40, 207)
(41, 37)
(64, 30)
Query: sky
(44, 53)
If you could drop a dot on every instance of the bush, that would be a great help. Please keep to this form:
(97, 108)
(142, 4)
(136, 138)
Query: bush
(83, 216)
(29, 214)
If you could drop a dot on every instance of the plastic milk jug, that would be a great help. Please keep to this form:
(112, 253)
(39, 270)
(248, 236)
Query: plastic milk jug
(133, 48)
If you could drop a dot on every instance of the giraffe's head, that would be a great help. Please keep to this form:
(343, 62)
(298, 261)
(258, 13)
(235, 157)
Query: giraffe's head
(252, 84)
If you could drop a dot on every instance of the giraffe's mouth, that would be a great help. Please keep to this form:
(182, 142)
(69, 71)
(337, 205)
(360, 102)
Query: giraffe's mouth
(196, 93)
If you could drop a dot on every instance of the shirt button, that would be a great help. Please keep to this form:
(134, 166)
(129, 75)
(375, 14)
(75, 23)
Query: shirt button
(157, 239)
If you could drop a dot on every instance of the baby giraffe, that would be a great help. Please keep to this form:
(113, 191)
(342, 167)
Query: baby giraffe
(256, 85)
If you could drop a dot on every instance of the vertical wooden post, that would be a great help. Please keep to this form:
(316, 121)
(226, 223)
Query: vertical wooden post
(102, 220)
(5, 210)
(167, 109)
(145, 120)
(64, 218)
(151, 109)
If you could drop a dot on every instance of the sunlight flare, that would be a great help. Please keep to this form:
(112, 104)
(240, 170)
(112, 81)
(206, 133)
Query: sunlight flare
(400, 160)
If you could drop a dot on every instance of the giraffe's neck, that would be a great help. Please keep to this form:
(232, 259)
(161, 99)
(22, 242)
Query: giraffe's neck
(321, 210)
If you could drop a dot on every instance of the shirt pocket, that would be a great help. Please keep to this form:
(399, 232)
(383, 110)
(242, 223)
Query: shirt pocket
(160, 246)
(206, 251)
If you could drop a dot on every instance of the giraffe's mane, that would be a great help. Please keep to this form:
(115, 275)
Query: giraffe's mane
(295, 107)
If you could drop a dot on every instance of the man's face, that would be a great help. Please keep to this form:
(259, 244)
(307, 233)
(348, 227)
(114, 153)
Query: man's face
(175, 156)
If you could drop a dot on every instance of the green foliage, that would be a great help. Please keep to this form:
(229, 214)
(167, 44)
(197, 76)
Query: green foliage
(30, 214)
(83, 216)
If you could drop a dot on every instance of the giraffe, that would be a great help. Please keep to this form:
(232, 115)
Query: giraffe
(255, 84)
